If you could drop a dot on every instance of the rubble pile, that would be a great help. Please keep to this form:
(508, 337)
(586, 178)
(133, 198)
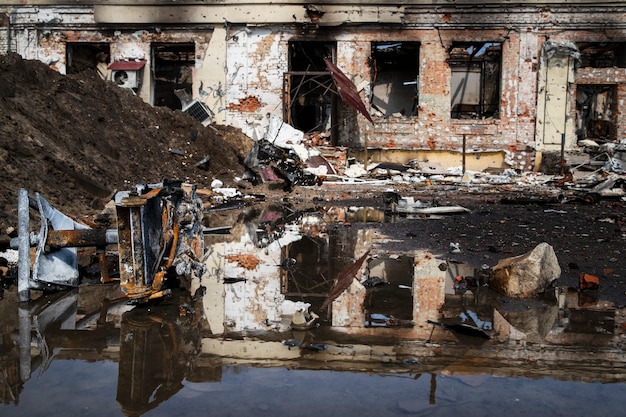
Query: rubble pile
(76, 139)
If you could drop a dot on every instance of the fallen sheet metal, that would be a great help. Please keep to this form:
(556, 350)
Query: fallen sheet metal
(347, 90)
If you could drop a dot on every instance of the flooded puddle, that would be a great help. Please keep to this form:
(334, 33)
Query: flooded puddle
(300, 313)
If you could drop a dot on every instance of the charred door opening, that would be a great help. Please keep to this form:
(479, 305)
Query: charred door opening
(86, 56)
(395, 78)
(310, 98)
(172, 67)
(596, 112)
(475, 82)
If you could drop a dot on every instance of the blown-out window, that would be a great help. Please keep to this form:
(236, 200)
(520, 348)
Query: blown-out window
(602, 54)
(475, 82)
(395, 76)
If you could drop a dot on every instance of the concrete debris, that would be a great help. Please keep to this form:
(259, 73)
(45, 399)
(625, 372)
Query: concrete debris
(526, 275)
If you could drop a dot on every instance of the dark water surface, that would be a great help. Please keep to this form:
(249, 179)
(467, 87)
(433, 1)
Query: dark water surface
(80, 388)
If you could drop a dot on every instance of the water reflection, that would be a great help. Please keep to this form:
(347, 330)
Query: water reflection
(227, 344)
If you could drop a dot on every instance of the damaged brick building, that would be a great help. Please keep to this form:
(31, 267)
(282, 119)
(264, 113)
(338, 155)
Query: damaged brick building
(483, 83)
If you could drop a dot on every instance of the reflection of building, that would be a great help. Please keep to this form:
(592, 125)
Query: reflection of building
(255, 274)
(160, 346)
(513, 81)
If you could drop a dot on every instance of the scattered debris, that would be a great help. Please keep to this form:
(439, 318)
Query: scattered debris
(304, 320)
(158, 235)
(291, 343)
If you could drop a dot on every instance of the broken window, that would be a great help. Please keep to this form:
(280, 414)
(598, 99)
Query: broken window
(596, 111)
(87, 56)
(172, 68)
(475, 82)
(308, 87)
(395, 76)
(603, 54)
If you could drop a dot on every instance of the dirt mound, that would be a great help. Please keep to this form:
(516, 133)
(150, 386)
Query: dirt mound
(76, 138)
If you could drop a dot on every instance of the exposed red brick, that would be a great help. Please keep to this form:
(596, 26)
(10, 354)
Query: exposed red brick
(588, 281)
(248, 104)
(244, 261)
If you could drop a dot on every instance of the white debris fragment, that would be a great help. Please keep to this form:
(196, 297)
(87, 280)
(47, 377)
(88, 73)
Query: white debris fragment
(10, 255)
(355, 170)
(228, 192)
(454, 247)
(288, 307)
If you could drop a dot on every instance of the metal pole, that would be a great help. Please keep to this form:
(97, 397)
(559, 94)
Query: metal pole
(24, 342)
(562, 161)
(464, 145)
(23, 266)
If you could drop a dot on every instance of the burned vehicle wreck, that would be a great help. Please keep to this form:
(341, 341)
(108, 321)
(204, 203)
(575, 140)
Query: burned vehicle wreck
(158, 238)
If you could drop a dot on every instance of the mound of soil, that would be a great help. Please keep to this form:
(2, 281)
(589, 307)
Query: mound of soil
(75, 139)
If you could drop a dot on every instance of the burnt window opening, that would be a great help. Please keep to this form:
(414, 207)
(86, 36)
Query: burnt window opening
(86, 56)
(306, 276)
(395, 78)
(596, 112)
(475, 80)
(389, 292)
(173, 64)
(602, 54)
(308, 89)
(310, 266)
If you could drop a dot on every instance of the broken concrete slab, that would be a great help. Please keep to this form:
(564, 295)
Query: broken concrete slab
(526, 275)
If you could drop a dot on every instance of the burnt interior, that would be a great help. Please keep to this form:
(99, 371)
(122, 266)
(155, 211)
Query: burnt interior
(395, 77)
(173, 65)
(475, 82)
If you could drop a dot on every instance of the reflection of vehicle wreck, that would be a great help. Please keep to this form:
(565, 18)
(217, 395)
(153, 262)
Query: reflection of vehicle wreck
(157, 350)
(158, 237)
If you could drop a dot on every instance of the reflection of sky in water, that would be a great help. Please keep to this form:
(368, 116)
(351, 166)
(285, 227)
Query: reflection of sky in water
(80, 388)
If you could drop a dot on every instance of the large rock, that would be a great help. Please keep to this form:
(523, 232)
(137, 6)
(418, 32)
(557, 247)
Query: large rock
(526, 275)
